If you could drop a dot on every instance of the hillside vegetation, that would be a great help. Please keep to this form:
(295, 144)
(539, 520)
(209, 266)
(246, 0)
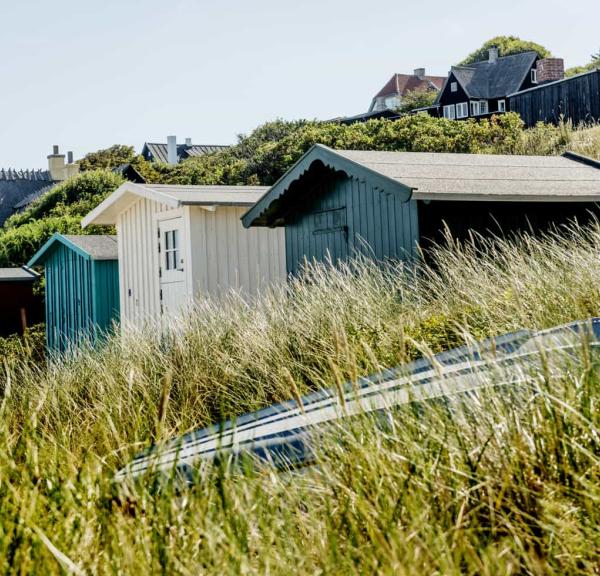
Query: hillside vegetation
(503, 482)
(267, 153)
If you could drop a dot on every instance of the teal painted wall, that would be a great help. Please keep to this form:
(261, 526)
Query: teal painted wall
(342, 217)
(82, 298)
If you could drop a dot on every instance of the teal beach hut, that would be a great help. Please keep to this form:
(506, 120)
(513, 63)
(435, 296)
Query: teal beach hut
(82, 288)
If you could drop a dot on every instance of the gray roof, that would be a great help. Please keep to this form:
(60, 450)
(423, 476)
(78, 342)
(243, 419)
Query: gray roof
(29, 175)
(158, 150)
(442, 176)
(17, 275)
(495, 79)
(99, 247)
(211, 195)
(30, 198)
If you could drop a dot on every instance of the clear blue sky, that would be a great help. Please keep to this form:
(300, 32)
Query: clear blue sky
(86, 75)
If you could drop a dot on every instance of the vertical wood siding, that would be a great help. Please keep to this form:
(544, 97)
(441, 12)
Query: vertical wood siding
(576, 99)
(344, 217)
(81, 298)
(225, 255)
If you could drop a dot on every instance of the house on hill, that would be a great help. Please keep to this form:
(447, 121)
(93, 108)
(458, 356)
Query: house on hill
(483, 88)
(173, 153)
(390, 96)
(337, 204)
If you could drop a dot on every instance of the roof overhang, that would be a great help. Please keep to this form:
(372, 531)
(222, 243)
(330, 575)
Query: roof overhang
(121, 199)
(21, 275)
(266, 211)
(42, 254)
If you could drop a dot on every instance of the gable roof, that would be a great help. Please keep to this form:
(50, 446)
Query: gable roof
(23, 274)
(92, 247)
(403, 83)
(494, 79)
(446, 176)
(158, 150)
(173, 196)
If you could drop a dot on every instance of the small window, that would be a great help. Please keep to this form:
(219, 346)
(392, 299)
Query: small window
(462, 110)
(450, 112)
(453, 86)
(171, 249)
(483, 107)
(533, 76)
(501, 105)
(475, 108)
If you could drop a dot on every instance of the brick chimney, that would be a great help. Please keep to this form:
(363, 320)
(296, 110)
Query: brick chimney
(60, 171)
(550, 69)
(419, 73)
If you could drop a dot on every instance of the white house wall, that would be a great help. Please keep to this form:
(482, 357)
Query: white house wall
(138, 262)
(226, 255)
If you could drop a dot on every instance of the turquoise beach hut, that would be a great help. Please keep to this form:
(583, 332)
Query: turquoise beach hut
(82, 288)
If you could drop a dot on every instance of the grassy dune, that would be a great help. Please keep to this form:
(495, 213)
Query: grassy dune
(504, 482)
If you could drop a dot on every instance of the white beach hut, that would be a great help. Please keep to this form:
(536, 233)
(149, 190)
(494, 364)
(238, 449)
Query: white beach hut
(178, 243)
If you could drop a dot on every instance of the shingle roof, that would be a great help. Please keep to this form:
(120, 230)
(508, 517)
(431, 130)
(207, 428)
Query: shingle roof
(403, 83)
(158, 150)
(30, 198)
(17, 275)
(97, 246)
(439, 176)
(495, 79)
(172, 195)
(29, 175)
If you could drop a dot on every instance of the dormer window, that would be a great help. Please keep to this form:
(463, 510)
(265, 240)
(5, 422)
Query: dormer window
(453, 86)
(534, 76)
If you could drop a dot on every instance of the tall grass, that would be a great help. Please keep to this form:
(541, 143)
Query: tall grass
(506, 481)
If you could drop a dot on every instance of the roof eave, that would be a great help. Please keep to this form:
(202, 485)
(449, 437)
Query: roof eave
(329, 158)
(40, 256)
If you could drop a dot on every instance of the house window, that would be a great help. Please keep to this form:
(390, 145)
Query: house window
(449, 112)
(171, 249)
(501, 105)
(483, 106)
(453, 86)
(462, 109)
(475, 108)
(479, 107)
(534, 76)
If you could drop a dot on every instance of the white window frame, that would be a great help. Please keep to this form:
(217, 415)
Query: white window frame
(474, 107)
(534, 79)
(501, 105)
(450, 112)
(453, 86)
(484, 107)
(462, 110)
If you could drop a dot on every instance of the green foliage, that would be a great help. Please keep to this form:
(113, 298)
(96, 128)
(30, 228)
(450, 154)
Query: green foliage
(591, 65)
(28, 349)
(59, 210)
(506, 45)
(107, 158)
(417, 99)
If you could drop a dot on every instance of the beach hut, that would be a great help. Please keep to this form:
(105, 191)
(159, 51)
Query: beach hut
(337, 204)
(178, 244)
(82, 288)
(19, 306)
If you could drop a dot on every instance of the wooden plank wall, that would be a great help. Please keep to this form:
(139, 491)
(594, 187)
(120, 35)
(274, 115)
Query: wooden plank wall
(576, 99)
(343, 217)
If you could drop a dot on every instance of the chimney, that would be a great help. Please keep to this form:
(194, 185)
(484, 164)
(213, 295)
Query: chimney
(493, 54)
(550, 69)
(56, 165)
(69, 157)
(188, 141)
(419, 73)
(172, 149)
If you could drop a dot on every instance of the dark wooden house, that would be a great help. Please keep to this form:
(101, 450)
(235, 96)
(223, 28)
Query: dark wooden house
(336, 204)
(19, 306)
(482, 88)
(576, 99)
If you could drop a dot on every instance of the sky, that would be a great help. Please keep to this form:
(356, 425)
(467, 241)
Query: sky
(86, 75)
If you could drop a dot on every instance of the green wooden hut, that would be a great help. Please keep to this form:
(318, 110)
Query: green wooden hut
(82, 288)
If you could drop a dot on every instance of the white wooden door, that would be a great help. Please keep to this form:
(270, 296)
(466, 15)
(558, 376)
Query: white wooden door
(172, 258)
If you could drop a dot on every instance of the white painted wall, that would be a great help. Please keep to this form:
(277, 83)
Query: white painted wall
(221, 254)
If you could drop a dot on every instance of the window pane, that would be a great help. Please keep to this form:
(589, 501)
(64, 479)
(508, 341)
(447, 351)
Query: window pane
(175, 238)
(175, 259)
(167, 240)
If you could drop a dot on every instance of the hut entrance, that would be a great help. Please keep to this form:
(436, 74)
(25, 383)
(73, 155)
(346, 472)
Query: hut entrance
(173, 289)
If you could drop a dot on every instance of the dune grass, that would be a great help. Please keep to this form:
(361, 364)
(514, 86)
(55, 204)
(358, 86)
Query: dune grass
(502, 482)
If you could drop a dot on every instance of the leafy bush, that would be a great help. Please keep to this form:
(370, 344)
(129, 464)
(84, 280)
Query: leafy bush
(414, 99)
(507, 45)
(107, 158)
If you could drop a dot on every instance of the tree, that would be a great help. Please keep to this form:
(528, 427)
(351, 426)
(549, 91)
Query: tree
(506, 45)
(592, 65)
(417, 99)
(107, 158)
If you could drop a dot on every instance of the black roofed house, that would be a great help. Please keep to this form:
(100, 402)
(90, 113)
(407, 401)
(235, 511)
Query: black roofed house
(173, 153)
(19, 306)
(482, 88)
(336, 204)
